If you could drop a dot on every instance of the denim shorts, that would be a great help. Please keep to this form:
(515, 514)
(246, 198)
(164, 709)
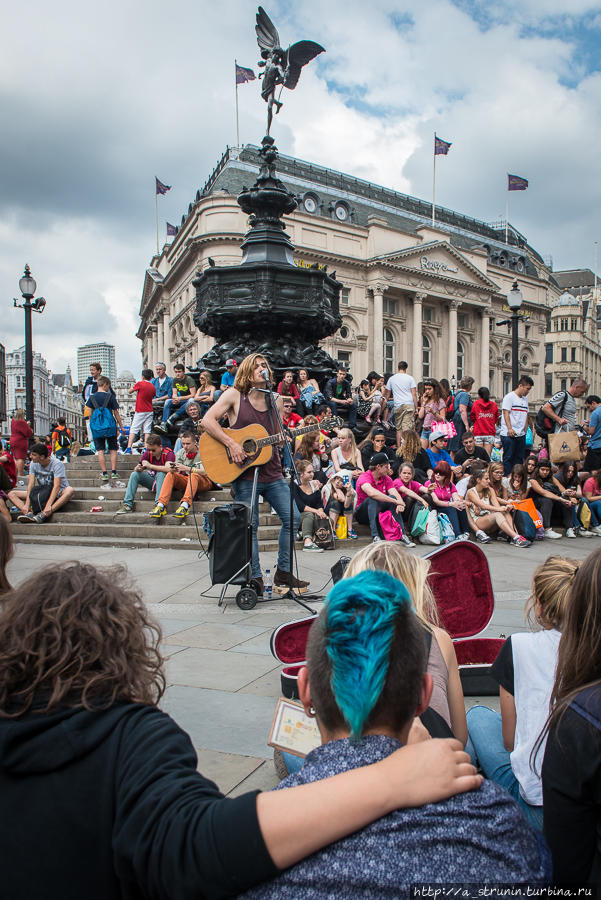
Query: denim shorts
(426, 432)
(481, 439)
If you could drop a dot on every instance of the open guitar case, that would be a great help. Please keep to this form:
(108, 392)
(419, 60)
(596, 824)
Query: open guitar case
(461, 583)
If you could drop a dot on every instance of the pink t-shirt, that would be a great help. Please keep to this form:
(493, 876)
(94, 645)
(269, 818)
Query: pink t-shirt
(384, 485)
(399, 484)
(432, 407)
(443, 493)
(590, 487)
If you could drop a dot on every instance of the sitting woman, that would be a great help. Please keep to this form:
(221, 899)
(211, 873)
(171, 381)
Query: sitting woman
(310, 448)
(546, 497)
(81, 731)
(567, 481)
(375, 442)
(447, 694)
(308, 499)
(525, 667)
(488, 513)
(339, 498)
(495, 471)
(445, 498)
(412, 451)
(516, 484)
(205, 392)
(310, 395)
(571, 769)
(410, 490)
(287, 387)
(592, 494)
(346, 455)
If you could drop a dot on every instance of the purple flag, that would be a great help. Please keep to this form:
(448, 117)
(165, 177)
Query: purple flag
(160, 187)
(441, 146)
(515, 183)
(171, 230)
(243, 75)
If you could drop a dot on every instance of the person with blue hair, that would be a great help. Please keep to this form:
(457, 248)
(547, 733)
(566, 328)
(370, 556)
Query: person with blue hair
(365, 681)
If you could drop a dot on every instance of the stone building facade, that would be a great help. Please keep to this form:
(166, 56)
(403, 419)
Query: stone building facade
(572, 345)
(431, 295)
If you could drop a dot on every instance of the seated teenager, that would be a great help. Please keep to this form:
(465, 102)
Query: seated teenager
(516, 484)
(571, 770)
(547, 497)
(364, 682)
(495, 472)
(375, 494)
(437, 453)
(376, 442)
(186, 474)
(107, 783)
(47, 487)
(287, 387)
(150, 472)
(184, 389)
(410, 450)
(410, 490)
(339, 498)
(346, 455)
(503, 743)
(470, 450)
(311, 448)
(308, 499)
(445, 499)
(567, 481)
(488, 513)
(591, 490)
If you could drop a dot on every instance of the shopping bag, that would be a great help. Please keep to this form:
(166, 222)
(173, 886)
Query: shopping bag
(564, 446)
(432, 533)
(583, 511)
(446, 529)
(419, 520)
(447, 428)
(341, 528)
(324, 535)
(528, 507)
(391, 529)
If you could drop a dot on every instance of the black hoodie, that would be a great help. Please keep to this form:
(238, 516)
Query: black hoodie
(108, 804)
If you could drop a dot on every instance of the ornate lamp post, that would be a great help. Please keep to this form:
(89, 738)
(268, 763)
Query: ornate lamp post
(514, 301)
(27, 286)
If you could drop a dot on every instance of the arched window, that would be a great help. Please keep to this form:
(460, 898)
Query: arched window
(426, 357)
(460, 361)
(389, 352)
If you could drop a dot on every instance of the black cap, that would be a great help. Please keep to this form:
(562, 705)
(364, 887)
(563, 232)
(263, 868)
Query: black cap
(378, 459)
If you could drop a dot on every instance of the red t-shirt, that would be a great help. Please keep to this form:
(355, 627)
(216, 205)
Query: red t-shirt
(384, 485)
(145, 396)
(292, 391)
(9, 466)
(484, 416)
(292, 421)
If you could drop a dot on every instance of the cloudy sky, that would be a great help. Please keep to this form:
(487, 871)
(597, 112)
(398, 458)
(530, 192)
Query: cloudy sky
(95, 100)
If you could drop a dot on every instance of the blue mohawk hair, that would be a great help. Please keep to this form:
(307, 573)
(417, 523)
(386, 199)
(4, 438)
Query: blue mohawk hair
(359, 626)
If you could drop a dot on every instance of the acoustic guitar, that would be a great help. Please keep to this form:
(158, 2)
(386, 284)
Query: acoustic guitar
(257, 444)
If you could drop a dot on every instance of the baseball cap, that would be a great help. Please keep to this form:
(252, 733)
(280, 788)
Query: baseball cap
(378, 459)
(230, 362)
(436, 435)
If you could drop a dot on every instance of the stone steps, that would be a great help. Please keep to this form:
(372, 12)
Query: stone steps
(36, 534)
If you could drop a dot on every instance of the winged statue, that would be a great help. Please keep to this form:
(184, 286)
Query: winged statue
(282, 67)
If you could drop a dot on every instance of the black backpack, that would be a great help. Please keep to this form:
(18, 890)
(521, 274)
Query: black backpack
(62, 438)
(543, 425)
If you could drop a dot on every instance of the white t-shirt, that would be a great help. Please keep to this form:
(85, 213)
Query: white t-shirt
(401, 385)
(518, 413)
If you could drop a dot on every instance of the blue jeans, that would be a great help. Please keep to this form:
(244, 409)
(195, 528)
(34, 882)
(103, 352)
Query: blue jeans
(178, 412)
(595, 509)
(277, 494)
(485, 745)
(458, 519)
(514, 452)
(63, 453)
(142, 478)
(340, 410)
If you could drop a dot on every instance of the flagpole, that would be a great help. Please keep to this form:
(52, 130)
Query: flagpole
(237, 114)
(507, 212)
(434, 185)
(156, 204)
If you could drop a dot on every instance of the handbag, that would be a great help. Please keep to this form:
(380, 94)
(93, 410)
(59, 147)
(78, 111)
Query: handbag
(431, 533)
(583, 513)
(446, 529)
(323, 535)
(564, 446)
(543, 425)
(446, 428)
(530, 509)
(341, 528)
(418, 525)
(391, 529)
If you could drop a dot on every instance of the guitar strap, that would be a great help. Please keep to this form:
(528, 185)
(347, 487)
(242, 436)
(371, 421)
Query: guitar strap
(274, 425)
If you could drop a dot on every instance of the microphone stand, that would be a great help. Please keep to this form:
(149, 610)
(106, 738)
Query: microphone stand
(294, 479)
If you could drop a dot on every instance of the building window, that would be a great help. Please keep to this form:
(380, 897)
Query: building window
(574, 324)
(427, 314)
(345, 295)
(389, 306)
(564, 325)
(389, 354)
(344, 357)
(573, 354)
(491, 324)
(461, 320)
(460, 360)
(548, 353)
(506, 383)
(564, 384)
(527, 331)
(556, 325)
(426, 357)
(564, 354)
(548, 385)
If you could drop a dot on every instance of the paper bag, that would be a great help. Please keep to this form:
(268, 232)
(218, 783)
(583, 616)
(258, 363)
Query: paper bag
(564, 446)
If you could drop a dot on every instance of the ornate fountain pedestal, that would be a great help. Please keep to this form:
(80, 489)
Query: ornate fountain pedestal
(267, 304)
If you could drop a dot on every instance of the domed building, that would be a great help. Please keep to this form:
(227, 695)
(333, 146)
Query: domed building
(126, 401)
(572, 346)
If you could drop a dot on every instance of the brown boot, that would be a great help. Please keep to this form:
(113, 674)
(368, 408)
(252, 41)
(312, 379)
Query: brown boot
(282, 582)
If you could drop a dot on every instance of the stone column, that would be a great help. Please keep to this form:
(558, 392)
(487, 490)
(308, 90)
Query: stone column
(417, 362)
(379, 327)
(160, 337)
(166, 338)
(452, 359)
(485, 347)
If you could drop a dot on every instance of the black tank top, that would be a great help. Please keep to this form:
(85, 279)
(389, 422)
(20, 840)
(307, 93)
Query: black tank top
(248, 415)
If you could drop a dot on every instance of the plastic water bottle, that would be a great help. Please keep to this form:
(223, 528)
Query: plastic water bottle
(267, 584)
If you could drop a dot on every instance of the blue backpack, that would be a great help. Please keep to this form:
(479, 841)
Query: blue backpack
(102, 423)
(524, 525)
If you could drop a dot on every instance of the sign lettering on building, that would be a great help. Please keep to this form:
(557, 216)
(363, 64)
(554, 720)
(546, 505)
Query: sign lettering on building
(434, 265)
(303, 264)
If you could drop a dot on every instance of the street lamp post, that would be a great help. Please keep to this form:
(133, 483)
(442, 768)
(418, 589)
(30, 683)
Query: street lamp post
(514, 301)
(27, 286)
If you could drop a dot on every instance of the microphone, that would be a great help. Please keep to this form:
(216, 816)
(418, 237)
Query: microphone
(265, 376)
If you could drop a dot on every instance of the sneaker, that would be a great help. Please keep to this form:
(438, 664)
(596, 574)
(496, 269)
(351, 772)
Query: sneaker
(25, 518)
(181, 512)
(104, 479)
(406, 541)
(540, 534)
(520, 541)
(596, 530)
(570, 533)
(158, 512)
(128, 451)
(376, 540)
(114, 477)
(161, 428)
(552, 535)
(41, 517)
(353, 535)
(124, 509)
(312, 548)
(283, 582)
(582, 532)
(463, 537)
(482, 537)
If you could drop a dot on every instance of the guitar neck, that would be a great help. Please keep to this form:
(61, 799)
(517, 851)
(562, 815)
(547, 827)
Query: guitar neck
(295, 432)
